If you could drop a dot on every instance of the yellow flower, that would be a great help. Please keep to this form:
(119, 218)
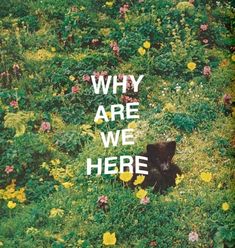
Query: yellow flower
(56, 212)
(71, 78)
(11, 204)
(139, 180)
(206, 176)
(55, 161)
(146, 44)
(179, 179)
(132, 125)
(105, 31)
(53, 49)
(67, 185)
(191, 66)
(225, 206)
(141, 194)
(109, 115)
(20, 195)
(109, 239)
(109, 4)
(233, 58)
(141, 51)
(169, 107)
(220, 185)
(99, 121)
(126, 176)
(82, 8)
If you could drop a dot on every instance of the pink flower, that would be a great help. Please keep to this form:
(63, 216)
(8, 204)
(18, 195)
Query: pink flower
(204, 27)
(207, 71)
(191, 1)
(115, 47)
(86, 78)
(95, 42)
(227, 99)
(45, 126)
(75, 89)
(126, 99)
(145, 200)
(14, 104)
(193, 236)
(103, 199)
(9, 169)
(205, 41)
(123, 10)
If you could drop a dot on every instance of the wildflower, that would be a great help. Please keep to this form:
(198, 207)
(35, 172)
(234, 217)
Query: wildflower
(141, 193)
(67, 185)
(146, 44)
(32, 230)
(169, 107)
(193, 237)
(191, 66)
(1, 243)
(103, 199)
(14, 104)
(126, 176)
(233, 58)
(95, 42)
(75, 89)
(53, 49)
(11, 204)
(178, 179)
(153, 243)
(145, 200)
(220, 185)
(56, 212)
(225, 206)
(71, 78)
(191, 1)
(205, 41)
(109, 115)
(9, 169)
(141, 51)
(109, 239)
(45, 126)
(99, 121)
(206, 176)
(126, 99)
(227, 99)
(109, 4)
(204, 27)
(123, 10)
(55, 161)
(139, 180)
(132, 125)
(206, 70)
(115, 47)
(86, 78)
(20, 195)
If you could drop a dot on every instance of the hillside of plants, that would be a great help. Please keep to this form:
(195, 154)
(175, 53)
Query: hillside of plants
(48, 51)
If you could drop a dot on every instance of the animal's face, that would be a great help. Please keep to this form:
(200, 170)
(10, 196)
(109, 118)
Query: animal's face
(161, 154)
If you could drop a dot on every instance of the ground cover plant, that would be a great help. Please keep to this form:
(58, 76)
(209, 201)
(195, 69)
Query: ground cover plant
(49, 50)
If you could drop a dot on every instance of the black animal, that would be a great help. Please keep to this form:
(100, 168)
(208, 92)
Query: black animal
(162, 172)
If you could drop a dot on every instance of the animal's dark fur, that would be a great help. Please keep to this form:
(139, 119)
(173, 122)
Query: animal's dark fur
(162, 171)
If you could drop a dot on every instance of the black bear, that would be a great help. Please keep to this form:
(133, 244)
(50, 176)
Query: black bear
(162, 172)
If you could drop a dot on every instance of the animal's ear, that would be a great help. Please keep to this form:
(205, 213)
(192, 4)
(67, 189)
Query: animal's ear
(171, 147)
(151, 151)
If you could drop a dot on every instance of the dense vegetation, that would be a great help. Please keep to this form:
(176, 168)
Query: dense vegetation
(49, 49)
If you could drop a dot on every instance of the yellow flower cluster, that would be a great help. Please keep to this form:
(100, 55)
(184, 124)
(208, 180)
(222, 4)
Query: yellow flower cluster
(142, 50)
(56, 212)
(206, 176)
(11, 193)
(109, 238)
(40, 55)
